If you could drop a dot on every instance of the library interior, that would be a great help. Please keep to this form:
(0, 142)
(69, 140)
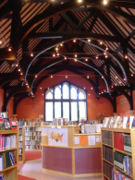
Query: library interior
(67, 90)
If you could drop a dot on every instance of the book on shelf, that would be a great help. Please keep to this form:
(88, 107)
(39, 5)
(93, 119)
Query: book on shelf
(124, 162)
(119, 176)
(127, 143)
(122, 141)
(7, 142)
(108, 153)
(119, 122)
(108, 170)
(7, 159)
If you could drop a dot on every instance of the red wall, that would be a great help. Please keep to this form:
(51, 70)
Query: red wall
(123, 107)
(10, 107)
(32, 108)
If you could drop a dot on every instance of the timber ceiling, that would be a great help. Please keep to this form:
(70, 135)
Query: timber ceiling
(39, 38)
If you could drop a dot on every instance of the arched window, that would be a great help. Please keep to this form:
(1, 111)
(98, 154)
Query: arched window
(65, 100)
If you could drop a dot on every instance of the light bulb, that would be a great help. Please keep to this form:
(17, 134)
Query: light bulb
(105, 2)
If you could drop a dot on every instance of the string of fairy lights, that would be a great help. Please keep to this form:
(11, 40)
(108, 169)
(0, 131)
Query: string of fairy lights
(75, 57)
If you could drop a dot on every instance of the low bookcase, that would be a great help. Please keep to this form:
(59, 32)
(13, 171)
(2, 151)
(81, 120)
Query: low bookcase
(118, 153)
(8, 154)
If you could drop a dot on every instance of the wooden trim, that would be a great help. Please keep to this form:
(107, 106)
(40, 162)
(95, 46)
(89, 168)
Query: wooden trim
(8, 131)
(123, 152)
(70, 147)
(89, 134)
(71, 175)
(73, 161)
(117, 130)
(9, 168)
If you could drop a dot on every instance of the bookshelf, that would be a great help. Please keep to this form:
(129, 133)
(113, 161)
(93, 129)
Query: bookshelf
(32, 137)
(8, 154)
(118, 153)
(21, 144)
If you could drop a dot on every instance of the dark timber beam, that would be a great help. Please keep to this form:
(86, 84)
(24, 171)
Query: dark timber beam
(75, 34)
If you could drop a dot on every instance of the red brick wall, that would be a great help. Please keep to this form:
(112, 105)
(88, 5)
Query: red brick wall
(32, 108)
(123, 107)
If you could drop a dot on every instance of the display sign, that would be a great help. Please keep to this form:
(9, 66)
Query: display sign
(58, 136)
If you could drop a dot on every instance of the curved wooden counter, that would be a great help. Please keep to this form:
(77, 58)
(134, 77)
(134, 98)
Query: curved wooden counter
(66, 151)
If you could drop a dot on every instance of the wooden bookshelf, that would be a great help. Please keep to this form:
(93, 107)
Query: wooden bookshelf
(123, 162)
(32, 137)
(21, 144)
(9, 154)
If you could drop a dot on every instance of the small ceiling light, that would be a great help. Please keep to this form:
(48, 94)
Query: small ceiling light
(56, 49)
(21, 73)
(124, 79)
(75, 55)
(9, 49)
(36, 76)
(89, 40)
(74, 40)
(58, 54)
(116, 77)
(75, 60)
(100, 42)
(31, 54)
(53, 55)
(106, 48)
(91, 88)
(88, 77)
(86, 59)
(106, 56)
(79, 1)
(66, 77)
(97, 57)
(51, 76)
(19, 70)
(102, 77)
(16, 65)
(132, 75)
(61, 44)
(105, 2)
(65, 57)
(125, 56)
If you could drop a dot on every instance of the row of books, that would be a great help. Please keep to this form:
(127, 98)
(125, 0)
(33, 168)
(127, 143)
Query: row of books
(108, 153)
(122, 141)
(118, 175)
(119, 122)
(33, 147)
(107, 138)
(31, 142)
(7, 159)
(107, 170)
(7, 142)
(91, 128)
(123, 162)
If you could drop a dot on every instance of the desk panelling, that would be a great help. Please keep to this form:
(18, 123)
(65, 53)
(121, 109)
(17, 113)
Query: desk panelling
(58, 159)
(88, 160)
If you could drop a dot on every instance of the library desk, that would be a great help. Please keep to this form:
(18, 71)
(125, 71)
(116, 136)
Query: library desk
(66, 151)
